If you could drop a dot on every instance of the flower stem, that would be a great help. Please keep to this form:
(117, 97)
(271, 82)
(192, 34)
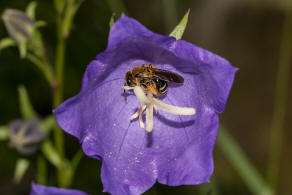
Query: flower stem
(64, 23)
(238, 159)
(281, 95)
(41, 170)
(58, 91)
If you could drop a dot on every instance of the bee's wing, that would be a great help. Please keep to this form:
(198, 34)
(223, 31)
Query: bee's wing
(168, 76)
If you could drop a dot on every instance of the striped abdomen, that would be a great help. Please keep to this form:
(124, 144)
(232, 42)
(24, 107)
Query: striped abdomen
(161, 86)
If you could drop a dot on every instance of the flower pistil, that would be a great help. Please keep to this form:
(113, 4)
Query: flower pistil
(149, 103)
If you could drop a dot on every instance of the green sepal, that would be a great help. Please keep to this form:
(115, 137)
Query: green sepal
(112, 20)
(30, 10)
(179, 30)
(21, 167)
(26, 107)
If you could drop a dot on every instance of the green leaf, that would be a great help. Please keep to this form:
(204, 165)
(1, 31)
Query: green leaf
(51, 154)
(179, 30)
(112, 20)
(6, 42)
(30, 10)
(4, 132)
(20, 169)
(26, 108)
(76, 159)
(240, 162)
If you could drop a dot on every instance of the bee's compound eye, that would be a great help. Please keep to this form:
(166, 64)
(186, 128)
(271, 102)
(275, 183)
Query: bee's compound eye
(129, 82)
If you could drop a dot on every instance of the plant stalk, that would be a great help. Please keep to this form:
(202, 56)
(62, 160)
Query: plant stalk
(242, 165)
(280, 105)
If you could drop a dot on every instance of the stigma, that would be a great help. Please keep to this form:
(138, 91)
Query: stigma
(150, 103)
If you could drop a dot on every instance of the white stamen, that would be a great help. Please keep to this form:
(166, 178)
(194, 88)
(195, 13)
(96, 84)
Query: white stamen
(141, 95)
(174, 109)
(141, 121)
(135, 115)
(155, 108)
(138, 113)
(140, 116)
(149, 118)
(150, 103)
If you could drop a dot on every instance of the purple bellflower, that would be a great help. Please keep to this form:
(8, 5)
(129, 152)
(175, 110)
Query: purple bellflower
(37, 189)
(177, 147)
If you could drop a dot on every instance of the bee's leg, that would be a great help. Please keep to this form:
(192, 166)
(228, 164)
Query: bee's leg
(125, 95)
(126, 88)
(152, 89)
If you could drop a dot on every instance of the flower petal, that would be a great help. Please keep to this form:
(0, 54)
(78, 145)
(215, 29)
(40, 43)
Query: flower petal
(37, 189)
(216, 74)
(179, 149)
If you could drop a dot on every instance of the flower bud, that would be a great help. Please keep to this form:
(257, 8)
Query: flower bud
(19, 25)
(25, 135)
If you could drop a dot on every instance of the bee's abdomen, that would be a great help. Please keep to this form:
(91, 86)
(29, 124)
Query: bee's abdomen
(161, 86)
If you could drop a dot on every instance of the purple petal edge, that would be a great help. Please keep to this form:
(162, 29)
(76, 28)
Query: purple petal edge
(37, 189)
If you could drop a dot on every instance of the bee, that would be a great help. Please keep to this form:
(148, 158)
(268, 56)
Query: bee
(151, 79)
